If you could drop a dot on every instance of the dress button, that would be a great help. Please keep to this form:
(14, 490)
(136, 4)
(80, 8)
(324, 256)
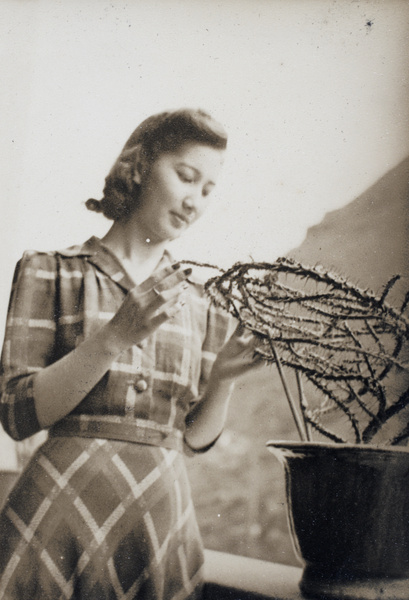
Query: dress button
(141, 386)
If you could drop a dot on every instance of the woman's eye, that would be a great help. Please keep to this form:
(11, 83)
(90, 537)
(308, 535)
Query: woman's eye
(185, 177)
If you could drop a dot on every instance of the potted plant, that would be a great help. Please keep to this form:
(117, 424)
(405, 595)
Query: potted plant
(340, 353)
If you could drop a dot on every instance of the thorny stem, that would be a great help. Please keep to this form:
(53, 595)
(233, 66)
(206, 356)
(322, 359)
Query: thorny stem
(294, 412)
(303, 405)
(329, 434)
(348, 342)
(340, 404)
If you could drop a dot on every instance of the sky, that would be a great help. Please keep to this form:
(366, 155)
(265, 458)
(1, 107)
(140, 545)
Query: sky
(313, 94)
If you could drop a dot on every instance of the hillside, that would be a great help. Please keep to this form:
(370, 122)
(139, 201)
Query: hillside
(239, 486)
(367, 240)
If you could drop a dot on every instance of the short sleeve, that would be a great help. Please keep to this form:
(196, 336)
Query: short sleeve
(29, 343)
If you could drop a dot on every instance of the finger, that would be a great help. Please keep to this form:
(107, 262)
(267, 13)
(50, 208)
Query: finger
(243, 346)
(249, 355)
(242, 332)
(169, 311)
(167, 277)
(251, 344)
(242, 335)
(240, 329)
(157, 297)
(174, 279)
(158, 276)
(245, 336)
(170, 283)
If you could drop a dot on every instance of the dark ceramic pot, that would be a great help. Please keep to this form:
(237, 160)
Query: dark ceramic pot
(348, 511)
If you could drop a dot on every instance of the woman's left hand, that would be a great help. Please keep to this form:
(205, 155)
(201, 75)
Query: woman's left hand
(206, 419)
(237, 355)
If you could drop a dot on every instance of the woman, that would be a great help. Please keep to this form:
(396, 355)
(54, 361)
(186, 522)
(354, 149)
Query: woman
(114, 349)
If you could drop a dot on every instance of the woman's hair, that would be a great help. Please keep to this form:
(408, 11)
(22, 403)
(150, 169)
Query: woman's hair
(158, 134)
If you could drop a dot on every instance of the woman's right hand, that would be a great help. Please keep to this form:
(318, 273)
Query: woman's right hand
(148, 305)
(61, 386)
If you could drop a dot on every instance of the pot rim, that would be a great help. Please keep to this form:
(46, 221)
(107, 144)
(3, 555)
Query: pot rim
(334, 447)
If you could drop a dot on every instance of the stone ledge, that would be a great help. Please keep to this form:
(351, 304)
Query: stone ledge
(231, 577)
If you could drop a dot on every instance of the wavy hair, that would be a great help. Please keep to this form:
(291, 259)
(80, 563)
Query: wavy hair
(156, 135)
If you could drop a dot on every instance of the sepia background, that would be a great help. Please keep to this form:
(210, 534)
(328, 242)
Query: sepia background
(314, 96)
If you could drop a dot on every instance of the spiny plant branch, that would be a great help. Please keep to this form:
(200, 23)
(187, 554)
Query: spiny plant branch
(303, 405)
(344, 340)
(291, 402)
(329, 434)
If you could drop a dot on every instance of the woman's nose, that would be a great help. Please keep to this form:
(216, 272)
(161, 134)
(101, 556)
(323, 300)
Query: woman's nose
(189, 203)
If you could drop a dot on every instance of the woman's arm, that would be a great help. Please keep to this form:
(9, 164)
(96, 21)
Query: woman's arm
(36, 389)
(61, 386)
(205, 421)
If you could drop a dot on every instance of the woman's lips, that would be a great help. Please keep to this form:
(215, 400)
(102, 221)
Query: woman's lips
(179, 219)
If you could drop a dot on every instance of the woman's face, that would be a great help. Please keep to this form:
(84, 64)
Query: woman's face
(175, 190)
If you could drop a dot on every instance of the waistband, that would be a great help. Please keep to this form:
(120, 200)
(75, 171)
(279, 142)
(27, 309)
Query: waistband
(137, 431)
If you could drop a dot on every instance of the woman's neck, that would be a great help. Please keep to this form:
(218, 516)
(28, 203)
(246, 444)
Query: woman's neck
(135, 251)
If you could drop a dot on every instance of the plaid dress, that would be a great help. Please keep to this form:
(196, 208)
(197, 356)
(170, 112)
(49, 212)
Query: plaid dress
(103, 510)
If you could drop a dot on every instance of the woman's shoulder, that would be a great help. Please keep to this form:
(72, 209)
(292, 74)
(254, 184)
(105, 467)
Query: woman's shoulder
(47, 262)
(32, 260)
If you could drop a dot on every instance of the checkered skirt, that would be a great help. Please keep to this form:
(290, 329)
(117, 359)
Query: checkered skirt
(100, 519)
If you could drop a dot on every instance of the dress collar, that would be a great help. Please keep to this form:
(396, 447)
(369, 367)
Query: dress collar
(101, 257)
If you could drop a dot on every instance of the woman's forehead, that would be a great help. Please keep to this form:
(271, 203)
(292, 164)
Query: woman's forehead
(197, 153)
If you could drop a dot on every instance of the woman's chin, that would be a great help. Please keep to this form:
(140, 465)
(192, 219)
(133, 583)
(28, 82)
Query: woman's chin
(175, 235)
(166, 236)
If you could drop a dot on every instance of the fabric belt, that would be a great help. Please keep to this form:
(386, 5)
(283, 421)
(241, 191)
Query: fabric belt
(116, 428)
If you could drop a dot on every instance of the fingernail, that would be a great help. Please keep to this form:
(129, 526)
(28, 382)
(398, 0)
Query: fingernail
(185, 286)
(187, 271)
(176, 266)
